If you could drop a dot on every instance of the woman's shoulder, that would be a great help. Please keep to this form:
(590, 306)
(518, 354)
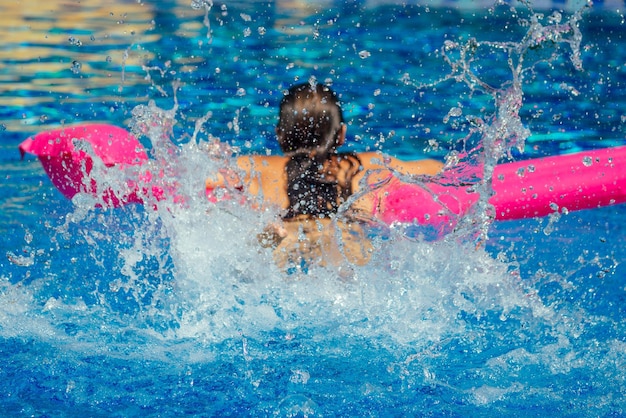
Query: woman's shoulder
(250, 163)
(380, 161)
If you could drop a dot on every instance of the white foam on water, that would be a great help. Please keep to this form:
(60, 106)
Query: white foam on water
(412, 291)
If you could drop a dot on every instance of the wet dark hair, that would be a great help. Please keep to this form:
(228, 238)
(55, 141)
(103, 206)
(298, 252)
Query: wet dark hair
(310, 119)
(309, 129)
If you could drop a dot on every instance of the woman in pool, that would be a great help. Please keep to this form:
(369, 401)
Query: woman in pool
(313, 179)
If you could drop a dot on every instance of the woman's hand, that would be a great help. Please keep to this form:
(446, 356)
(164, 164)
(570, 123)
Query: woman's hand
(218, 185)
(272, 235)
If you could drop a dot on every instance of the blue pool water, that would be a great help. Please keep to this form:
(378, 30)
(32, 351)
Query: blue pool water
(132, 312)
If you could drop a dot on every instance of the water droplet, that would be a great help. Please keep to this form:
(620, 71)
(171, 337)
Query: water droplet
(75, 41)
(455, 111)
(531, 168)
(553, 218)
(297, 405)
(262, 30)
(555, 17)
(300, 376)
(587, 161)
(20, 260)
(76, 67)
(449, 45)
(364, 54)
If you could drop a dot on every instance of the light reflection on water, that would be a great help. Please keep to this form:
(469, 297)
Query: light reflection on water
(70, 62)
(65, 51)
(56, 57)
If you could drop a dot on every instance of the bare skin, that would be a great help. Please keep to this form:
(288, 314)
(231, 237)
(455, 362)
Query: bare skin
(265, 175)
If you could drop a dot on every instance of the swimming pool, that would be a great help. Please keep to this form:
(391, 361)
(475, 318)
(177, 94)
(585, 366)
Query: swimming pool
(134, 312)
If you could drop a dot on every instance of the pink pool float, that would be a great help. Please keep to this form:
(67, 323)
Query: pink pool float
(523, 189)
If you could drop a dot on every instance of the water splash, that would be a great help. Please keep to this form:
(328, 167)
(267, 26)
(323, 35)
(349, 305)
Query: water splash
(207, 5)
(215, 258)
(503, 129)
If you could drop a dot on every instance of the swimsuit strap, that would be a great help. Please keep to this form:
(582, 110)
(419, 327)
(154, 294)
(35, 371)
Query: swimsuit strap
(376, 187)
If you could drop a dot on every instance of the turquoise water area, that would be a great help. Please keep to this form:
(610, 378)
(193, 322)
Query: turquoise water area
(132, 311)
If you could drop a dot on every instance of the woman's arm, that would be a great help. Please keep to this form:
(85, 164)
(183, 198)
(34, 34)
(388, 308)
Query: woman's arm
(257, 175)
(378, 167)
(377, 161)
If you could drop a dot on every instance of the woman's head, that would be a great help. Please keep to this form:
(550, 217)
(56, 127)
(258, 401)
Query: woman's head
(309, 131)
(310, 120)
